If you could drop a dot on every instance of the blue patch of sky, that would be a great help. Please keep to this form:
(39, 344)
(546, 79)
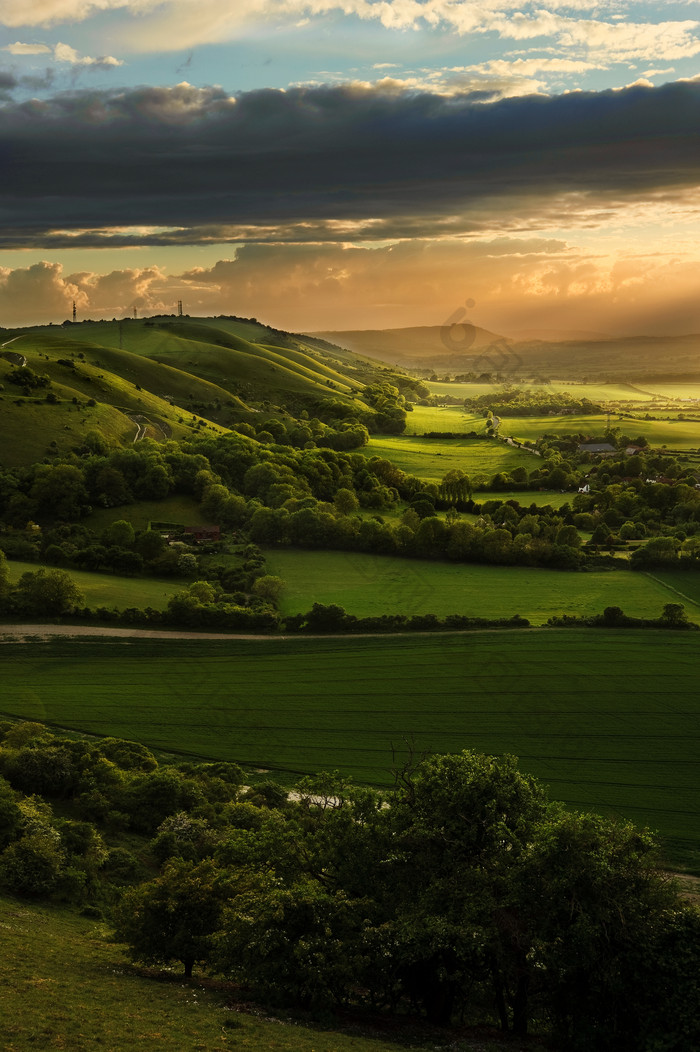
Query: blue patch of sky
(334, 48)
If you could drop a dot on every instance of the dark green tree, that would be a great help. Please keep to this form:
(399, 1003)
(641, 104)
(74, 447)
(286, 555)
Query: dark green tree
(174, 917)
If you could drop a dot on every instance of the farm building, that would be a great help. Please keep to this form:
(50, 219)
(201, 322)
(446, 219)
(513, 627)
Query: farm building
(201, 534)
(600, 449)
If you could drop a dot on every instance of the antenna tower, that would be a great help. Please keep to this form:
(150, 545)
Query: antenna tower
(74, 312)
(135, 315)
(179, 308)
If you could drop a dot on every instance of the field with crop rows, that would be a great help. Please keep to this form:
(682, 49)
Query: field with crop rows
(608, 719)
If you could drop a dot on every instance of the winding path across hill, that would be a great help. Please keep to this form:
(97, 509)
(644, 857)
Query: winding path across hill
(13, 356)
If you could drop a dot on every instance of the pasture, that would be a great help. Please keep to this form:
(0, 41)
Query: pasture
(432, 458)
(443, 418)
(369, 585)
(177, 508)
(674, 433)
(31, 429)
(666, 400)
(638, 393)
(606, 718)
(102, 589)
(526, 497)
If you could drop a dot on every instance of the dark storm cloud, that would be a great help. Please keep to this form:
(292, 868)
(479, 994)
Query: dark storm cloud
(8, 83)
(189, 158)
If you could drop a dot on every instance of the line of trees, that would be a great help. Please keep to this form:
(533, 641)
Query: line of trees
(516, 401)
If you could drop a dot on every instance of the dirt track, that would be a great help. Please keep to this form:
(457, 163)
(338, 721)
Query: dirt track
(14, 633)
(8, 633)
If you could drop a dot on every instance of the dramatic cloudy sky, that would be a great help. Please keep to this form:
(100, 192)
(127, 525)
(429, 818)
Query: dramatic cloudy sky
(353, 163)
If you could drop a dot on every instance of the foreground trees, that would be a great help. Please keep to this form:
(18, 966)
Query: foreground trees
(461, 893)
(465, 891)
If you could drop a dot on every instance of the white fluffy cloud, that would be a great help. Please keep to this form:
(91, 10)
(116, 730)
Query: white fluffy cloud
(62, 53)
(66, 53)
(43, 293)
(39, 293)
(18, 48)
(516, 283)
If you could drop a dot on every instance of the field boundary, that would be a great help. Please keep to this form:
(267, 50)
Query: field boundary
(670, 588)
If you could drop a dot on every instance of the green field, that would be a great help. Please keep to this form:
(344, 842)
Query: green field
(686, 392)
(595, 392)
(367, 585)
(685, 585)
(526, 497)
(431, 459)
(443, 418)
(607, 719)
(642, 392)
(101, 589)
(676, 434)
(180, 509)
(65, 985)
(651, 398)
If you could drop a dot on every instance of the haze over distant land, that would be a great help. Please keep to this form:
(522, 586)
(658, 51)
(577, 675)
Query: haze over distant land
(529, 167)
(567, 356)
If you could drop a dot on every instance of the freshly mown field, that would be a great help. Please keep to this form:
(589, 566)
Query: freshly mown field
(65, 985)
(368, 585)
(609, 719)
(432, 458)
(102, 589)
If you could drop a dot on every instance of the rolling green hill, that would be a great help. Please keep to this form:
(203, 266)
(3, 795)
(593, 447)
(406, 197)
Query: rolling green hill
(162, 378)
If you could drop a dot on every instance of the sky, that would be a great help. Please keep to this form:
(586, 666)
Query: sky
(532, 167)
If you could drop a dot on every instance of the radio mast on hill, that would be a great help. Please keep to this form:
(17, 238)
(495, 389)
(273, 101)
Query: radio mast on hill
(74, 312)
(135, 315)
(179, 308)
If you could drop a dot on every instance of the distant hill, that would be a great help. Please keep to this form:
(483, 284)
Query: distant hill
(414, 346)
(559, 335)
(591, 356)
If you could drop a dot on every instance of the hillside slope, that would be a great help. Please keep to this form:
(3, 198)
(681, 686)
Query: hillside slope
(163, 378)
